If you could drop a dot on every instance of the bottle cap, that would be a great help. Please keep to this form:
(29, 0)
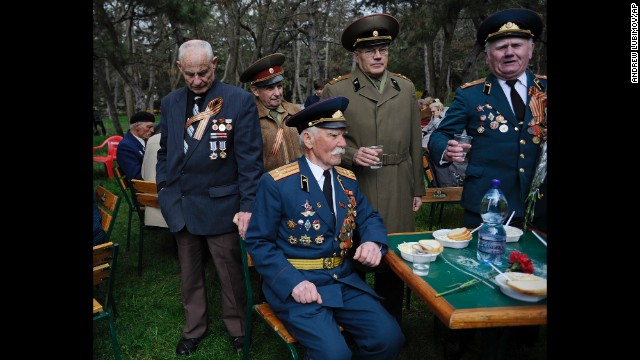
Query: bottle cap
(495, 183)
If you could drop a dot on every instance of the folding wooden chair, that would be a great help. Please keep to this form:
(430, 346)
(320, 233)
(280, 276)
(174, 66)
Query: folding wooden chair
(109, 206)
(105, 257)
(144, 193)
(437, 196)
(263, 311)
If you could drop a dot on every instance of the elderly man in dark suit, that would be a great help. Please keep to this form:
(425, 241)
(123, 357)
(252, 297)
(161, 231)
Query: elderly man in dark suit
(504, 113)
(209, 164)
(302, 227)
(130, 150)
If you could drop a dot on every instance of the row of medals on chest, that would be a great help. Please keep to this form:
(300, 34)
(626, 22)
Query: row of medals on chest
(220, 125)
(499, 122)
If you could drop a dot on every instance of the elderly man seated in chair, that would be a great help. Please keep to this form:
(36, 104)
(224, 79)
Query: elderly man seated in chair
(303, 224)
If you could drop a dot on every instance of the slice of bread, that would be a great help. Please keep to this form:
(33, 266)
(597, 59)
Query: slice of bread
(457, 231)
(459, 234)
(431, 246)
(527, 283)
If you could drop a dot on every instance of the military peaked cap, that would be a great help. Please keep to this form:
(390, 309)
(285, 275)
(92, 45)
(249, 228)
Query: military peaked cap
(370, 30)
(265, 71)
(510, 22)
(326, 114)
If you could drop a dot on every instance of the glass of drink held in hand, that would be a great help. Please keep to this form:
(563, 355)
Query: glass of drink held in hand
(377, 165)
(465, 142)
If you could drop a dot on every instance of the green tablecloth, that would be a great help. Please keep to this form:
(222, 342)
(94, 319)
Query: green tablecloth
(456, 266)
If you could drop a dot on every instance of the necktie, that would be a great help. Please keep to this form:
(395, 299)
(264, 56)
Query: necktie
(328, 191)
(516, 101)
(191, 129)
(275, 116)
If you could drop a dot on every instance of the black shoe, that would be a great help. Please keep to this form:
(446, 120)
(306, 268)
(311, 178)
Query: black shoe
(238, 343)
(187, 346)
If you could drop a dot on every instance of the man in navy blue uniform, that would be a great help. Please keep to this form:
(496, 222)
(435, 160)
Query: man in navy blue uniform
(302, 226)
(130, 152)
(508, 128)
(209, 164)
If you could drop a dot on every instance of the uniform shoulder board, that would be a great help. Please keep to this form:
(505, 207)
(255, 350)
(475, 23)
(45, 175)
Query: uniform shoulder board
(284, 171)
(345, 172)
(340, 78)
(472, 83)
(400, 76)
(544, 77)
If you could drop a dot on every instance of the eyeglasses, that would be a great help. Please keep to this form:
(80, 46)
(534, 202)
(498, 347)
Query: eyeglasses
(371, 52)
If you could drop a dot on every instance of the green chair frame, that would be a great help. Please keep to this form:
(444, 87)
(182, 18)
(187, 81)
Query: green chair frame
(105, 258)
(123, 184)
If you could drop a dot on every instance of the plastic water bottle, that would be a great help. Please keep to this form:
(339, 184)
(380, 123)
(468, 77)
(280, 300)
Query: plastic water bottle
(492, 237)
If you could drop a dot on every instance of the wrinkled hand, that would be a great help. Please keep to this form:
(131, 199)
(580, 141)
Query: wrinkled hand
(454, 151)
(368, 254)
(241, 219)
(366, 157)
(417, 202)
(305, 292)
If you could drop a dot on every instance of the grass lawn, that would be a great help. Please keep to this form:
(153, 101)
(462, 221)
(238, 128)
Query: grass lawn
(150, 317)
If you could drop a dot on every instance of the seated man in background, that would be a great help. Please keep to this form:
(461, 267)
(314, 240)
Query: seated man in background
(301, 250)
(130, 151)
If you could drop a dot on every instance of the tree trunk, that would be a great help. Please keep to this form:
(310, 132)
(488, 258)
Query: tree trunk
(99, 71)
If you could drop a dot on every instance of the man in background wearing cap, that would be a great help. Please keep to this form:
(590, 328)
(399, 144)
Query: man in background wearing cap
(506, 143)
(130, 152)
(302, 227)
(279, 142)
(384, 111)
(209, 164)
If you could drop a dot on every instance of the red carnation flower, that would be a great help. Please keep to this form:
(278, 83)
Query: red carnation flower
(520, 262)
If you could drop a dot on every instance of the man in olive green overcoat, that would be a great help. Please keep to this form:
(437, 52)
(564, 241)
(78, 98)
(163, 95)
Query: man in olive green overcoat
(383, 110)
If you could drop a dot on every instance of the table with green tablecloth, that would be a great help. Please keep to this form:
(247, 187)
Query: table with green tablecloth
(477, 306)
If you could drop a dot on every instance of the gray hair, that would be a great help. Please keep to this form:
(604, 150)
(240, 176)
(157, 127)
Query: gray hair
(191, 44)
(312, 130)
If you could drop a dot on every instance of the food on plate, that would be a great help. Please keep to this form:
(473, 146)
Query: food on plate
(431, 246)
(527, 283)
(459, 234)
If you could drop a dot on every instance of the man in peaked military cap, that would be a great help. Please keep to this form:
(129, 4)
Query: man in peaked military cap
(280, 143)
(383, 110)
(305, 217)
(506, 115)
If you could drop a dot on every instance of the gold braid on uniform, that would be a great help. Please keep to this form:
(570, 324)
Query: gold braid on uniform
(340, 78)
(472, 83)
(285, 171)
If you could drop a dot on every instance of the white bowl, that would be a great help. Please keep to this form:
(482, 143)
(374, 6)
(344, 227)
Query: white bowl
(415, 258)
(513, 233)
(441, 236)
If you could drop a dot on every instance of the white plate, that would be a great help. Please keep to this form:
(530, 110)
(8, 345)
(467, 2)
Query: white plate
(501, 281)
(441, 236)
(417, 258)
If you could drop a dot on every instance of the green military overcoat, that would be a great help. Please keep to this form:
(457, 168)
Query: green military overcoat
(391, 119)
